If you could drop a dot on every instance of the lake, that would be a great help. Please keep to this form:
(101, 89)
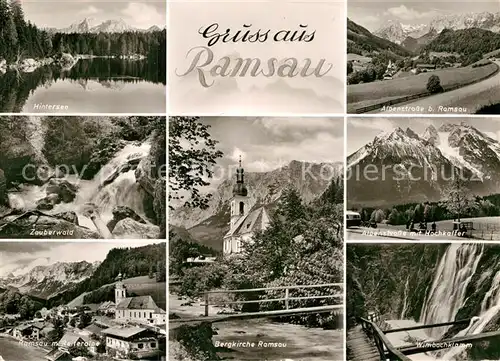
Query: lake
(91, 86)
(11, 350)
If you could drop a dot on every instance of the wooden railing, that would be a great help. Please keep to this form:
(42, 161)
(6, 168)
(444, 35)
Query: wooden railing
(286, 299)
(384, 347)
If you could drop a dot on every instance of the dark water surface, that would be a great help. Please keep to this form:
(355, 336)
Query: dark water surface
(91, 86)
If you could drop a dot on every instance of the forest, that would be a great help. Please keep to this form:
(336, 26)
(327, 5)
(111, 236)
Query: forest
(20, 39)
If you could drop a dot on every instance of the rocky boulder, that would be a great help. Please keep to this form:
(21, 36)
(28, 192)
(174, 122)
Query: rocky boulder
(71, 217)
(58, 191)
(128, 228)
(145, 174)
(121, 213)
(39, 225)
(64, 189)
(18, 159)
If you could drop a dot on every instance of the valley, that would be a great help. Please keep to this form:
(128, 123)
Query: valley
(92, 305)
(393, 65)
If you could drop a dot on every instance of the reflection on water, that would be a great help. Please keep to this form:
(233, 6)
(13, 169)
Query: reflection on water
(90, 86)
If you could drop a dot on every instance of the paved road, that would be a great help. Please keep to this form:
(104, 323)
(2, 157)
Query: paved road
(466, 97)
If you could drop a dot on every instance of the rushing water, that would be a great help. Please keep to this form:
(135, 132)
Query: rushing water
(122, 191)
(90, 86)
(445, 297)
(447, 293)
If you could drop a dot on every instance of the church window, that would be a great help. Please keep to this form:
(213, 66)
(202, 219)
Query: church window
(140, 346)
(242, 208)
(153, 345)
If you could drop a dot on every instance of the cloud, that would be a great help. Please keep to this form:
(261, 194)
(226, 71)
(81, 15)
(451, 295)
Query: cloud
(405, 13)
(236, 154)
(90, 10)
(143, 16)
(382, 124)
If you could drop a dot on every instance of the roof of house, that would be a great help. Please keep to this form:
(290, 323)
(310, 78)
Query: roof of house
(426, 65)
(27, 326)
(56, 354)
(95, 329)
(92, 306)
(138, 303)
(124, 332)
(106, 305)
(256, 220)
(70, 338)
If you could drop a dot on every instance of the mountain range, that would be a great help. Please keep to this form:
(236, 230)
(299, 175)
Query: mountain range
(89, 25)
(48, 281)
(360, 40)
(398, 32)
(431, 157)
(209, 225)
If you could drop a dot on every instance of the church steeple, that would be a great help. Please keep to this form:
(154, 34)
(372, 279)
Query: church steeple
(239, 188)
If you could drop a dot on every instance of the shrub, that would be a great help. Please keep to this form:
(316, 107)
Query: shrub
(434, 84)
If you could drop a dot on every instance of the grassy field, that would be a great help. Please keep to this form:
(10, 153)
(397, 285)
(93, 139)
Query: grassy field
(360, 95)
(479, 100)
(141, 286)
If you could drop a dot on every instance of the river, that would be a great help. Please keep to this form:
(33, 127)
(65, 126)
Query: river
(12, 350)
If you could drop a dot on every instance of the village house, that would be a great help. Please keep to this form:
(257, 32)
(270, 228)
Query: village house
(141, 309)
(107, 308)
(27, 332)
(124, 341)
(243, 223)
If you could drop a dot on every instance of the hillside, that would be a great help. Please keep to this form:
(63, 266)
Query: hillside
(132, 262)
(416, 44)
(465, 41)
(361, 41)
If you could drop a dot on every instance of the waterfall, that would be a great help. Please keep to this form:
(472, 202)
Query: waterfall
(490, 307)
(120, 189)
(452, 277)
(405, 298)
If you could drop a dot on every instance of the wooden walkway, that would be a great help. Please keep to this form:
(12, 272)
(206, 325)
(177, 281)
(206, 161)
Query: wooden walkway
(360, 347)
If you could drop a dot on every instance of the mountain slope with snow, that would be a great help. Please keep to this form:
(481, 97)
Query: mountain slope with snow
(89, 25)
(406, 167)
(47, 281)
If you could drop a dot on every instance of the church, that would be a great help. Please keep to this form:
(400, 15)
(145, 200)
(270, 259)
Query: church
(243, 222)
(140, 309)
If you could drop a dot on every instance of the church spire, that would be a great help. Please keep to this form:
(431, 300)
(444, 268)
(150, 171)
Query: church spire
(239, 188)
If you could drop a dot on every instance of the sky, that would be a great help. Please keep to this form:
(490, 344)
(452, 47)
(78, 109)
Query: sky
(265, 143)
(140, 14)
(268, 143)
(21, 257)
(373, 14)
(361, 131)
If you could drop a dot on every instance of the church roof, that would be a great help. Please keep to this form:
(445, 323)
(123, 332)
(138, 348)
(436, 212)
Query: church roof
(256, 220)
(137, 303)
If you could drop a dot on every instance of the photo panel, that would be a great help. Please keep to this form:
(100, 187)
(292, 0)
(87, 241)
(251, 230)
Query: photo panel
(95, 300)
(421, 178)
(440, 304)
(74, 177)
(74, 57)
(260, 58)
(256, 237)
(408, 57)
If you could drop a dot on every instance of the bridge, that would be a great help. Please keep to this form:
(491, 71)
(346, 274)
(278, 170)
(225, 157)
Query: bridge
(289, 299)
(367, 342)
